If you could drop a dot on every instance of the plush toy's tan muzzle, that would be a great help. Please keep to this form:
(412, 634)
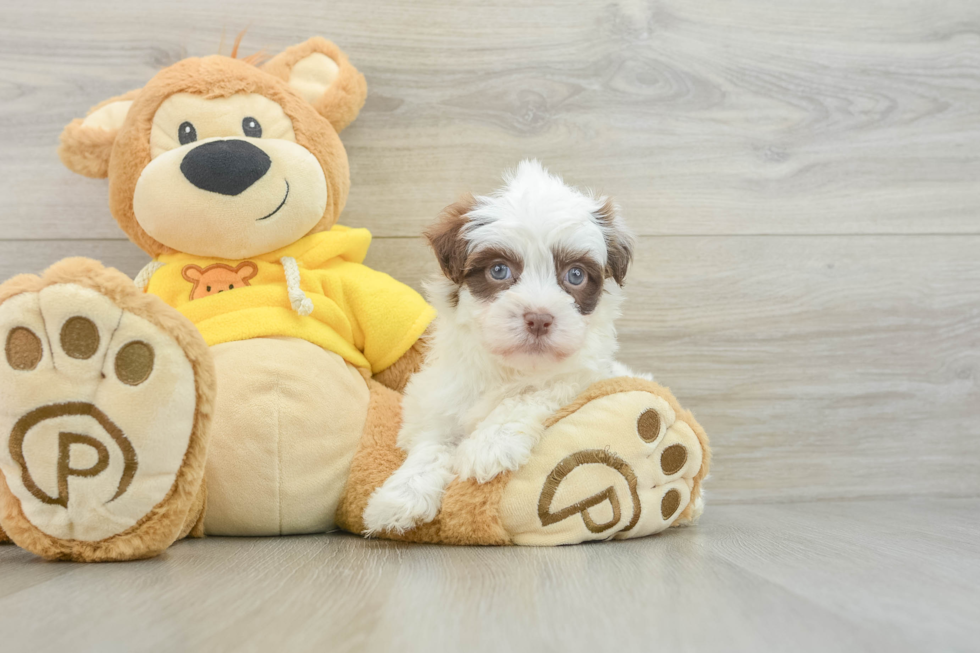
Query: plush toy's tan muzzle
(231, 198)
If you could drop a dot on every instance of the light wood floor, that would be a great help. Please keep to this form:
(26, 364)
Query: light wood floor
(824, 576)
(804, 179)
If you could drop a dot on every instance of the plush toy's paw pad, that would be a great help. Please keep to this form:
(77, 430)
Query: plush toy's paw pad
(621, 465)
(97, 409)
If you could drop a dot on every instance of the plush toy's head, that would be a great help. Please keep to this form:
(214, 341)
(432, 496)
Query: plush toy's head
(218, 157)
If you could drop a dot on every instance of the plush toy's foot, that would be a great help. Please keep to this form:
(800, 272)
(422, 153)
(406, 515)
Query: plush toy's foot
(623, 460)
(105, 398)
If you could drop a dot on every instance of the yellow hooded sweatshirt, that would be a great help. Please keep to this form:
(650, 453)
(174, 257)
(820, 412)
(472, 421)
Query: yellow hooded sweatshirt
(364, 316)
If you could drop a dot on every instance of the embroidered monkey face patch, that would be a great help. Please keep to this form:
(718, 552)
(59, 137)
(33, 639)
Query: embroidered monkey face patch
(218, 278)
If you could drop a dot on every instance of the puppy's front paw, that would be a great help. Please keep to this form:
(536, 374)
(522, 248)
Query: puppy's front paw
(488, 452)
(404, 501)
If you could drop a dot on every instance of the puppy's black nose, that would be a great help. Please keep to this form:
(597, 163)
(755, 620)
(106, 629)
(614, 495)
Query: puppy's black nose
(538, 323)
(226, 167)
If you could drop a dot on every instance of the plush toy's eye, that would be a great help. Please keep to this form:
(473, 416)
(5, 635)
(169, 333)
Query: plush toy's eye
(231, 286)
(209, 288)
(500, 272)
(252, 128)
(575, 276)
(186, 133)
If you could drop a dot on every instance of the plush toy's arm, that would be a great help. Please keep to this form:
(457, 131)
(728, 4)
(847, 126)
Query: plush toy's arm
(396, 375)
(392, 318)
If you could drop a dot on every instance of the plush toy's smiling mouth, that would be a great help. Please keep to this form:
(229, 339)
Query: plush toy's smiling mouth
(281, 204)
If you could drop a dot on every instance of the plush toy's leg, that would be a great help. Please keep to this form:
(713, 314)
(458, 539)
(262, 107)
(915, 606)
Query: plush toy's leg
(105, 401)
(469, 511)
(623, 460)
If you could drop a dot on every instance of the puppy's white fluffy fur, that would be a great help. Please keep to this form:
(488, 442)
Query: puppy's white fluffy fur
(477, 406)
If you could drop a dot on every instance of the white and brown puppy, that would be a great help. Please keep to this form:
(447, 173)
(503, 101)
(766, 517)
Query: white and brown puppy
(526, 322)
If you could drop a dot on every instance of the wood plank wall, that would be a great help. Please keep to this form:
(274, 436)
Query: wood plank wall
(803, 175)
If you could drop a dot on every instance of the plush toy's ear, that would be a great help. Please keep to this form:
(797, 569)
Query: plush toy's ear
(87, 143)
(320, 72)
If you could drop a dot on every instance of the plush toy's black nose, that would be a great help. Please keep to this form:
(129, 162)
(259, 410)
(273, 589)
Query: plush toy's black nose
(226, 167)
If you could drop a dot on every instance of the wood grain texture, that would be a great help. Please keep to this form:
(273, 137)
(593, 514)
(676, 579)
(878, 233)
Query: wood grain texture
(821, 367)
(712, 117)
(831, 576)
(770, 151)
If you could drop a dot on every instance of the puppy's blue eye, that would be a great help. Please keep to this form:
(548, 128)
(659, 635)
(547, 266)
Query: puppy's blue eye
(575, 276)
(500, 272)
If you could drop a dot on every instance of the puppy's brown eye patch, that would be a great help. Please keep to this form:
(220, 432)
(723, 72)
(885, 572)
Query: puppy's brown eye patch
(580, 276)
(491, 271)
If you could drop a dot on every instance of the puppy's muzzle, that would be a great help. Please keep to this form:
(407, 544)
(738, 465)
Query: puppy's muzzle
(227, 167)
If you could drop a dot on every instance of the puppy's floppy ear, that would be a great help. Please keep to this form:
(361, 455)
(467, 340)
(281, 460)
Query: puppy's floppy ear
(447, 240)
(319, 71)
(86, 144)
(619, 240)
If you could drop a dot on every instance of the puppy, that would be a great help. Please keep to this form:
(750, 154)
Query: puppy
(526, 322)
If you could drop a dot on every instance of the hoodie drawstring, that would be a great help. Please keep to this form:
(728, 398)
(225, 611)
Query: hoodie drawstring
(302, 304)
(142, 279)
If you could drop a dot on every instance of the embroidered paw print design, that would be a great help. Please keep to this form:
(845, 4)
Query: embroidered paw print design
(582, 508)
(620, 466)
(218, 278)
(82, 445)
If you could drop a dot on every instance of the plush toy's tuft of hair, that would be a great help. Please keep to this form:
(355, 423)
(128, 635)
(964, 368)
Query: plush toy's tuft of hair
(238, 42)
(256, 58)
